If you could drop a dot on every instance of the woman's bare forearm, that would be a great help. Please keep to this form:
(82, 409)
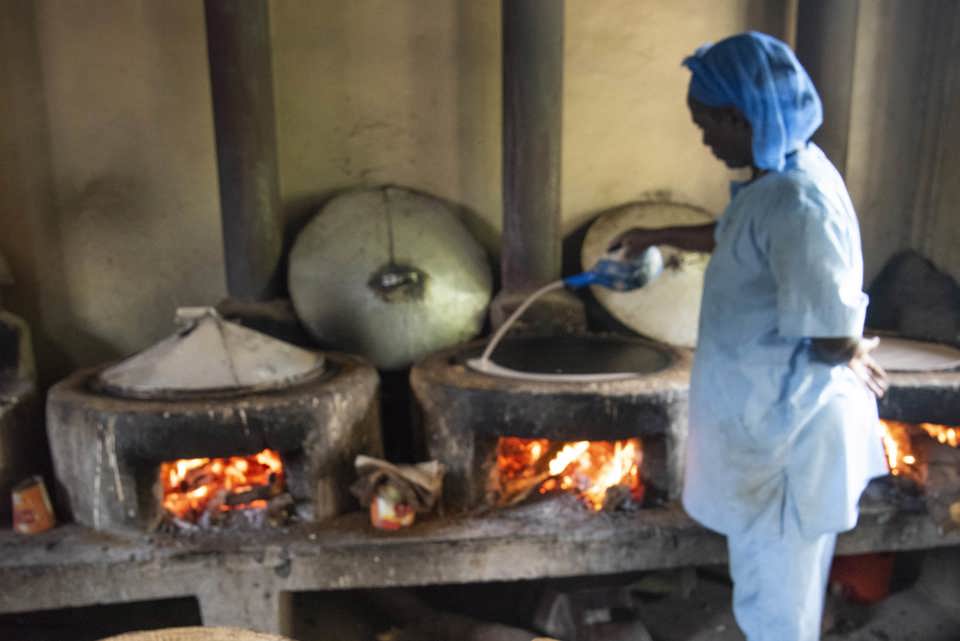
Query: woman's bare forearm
(691, 238)
(835, 350)
(855, 352)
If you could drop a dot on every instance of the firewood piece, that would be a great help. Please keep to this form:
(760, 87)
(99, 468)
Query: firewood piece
(618, 497)
(214, 515)
(587, 613)
(514, 490)
(278, 509)
(419, 622)
(261, 492)
(196, 477)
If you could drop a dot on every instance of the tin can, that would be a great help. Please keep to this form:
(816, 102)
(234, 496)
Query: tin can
(388, 511)
(32, 510)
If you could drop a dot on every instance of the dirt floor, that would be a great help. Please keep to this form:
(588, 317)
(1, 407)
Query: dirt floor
(690, 606)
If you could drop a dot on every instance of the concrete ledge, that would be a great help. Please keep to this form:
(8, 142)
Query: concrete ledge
(245, 580)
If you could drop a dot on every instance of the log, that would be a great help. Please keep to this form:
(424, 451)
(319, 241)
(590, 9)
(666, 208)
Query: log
(512, 491)
(261, 492)
(419, 622)
(196, 477)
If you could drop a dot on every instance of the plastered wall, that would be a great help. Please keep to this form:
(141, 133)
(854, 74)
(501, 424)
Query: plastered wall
(108, 205)
(902, 164)
(109, 209)
(381, 91)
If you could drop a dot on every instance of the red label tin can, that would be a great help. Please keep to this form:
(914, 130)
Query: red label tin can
(32, 510)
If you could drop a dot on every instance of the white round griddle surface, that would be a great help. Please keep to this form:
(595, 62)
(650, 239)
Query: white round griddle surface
(896, 354)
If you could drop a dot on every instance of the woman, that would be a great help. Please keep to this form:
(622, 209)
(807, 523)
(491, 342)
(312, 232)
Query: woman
(783, 425)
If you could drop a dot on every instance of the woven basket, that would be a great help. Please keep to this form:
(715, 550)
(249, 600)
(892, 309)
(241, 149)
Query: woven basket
(197, 634)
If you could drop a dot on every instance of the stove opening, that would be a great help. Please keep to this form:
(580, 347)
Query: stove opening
(902, 445)
(210, 492)
(605, 475)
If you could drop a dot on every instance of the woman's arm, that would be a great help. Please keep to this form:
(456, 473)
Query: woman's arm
(855, 352)
(692, 238)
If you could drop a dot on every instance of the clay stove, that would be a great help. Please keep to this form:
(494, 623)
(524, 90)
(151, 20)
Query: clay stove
(466, 415)
(921, 413)
(215, 390)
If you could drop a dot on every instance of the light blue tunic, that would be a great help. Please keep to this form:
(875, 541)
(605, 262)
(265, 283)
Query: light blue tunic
(767, 421)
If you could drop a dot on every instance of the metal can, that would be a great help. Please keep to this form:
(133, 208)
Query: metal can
(32, 510)
(388, 511)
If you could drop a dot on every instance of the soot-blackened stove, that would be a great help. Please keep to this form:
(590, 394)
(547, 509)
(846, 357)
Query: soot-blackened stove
(926, 408)
(215, 389)
(465, 413)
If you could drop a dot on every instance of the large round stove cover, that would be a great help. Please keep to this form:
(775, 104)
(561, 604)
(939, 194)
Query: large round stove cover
(389, 274)
(209, 355)
(668, 308)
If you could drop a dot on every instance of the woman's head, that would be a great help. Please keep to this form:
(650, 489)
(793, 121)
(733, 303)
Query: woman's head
(725, 131)
(755, 80)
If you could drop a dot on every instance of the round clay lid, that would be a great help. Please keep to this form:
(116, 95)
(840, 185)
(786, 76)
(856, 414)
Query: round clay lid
(668, 308)
(389, 274)
(209, 356)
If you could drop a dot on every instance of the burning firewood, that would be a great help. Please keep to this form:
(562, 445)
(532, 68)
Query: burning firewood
(617, 498)
(213, 513)
(513, 491)
(195, 478)
(202, 491)
(589, 469)
(279, 508)
(259, 493)
(509, 491)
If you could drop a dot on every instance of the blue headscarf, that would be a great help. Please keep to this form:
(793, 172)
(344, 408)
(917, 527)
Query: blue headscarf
(760, 76)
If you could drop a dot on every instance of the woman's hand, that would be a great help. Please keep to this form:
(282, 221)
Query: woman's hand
(633, 241)
(869, 371)
(697, 238)
(855, 352)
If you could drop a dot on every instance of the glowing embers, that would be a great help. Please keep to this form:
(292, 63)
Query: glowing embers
(605, 474)
(204, 492)
(899, 444)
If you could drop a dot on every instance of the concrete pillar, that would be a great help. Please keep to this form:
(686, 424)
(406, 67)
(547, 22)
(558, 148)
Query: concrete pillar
(826, 39)
(245, 600)
(241, 78)
(532, 135)
(532, 119)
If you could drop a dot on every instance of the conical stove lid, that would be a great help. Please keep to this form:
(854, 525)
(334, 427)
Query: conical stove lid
(209, 356)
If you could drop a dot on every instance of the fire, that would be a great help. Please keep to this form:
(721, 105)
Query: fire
(192, 487)
(943, 433)
(901, 457)
(897, 447)
(586, 468)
